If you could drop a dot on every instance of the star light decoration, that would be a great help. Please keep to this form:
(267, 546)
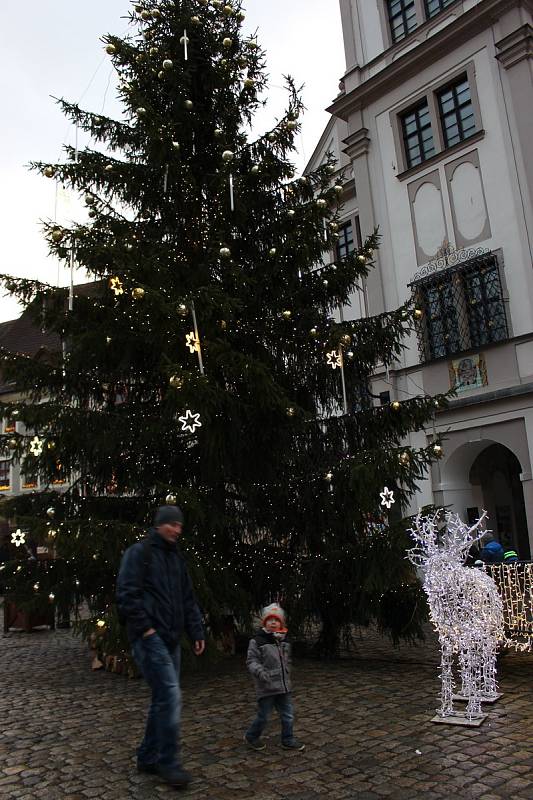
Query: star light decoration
(190, 421)
(192, 342)
(36, 446)
(18, 538)
(334, 359)
(387, 497)
(115, 284)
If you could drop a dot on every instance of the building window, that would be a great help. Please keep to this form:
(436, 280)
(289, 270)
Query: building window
(345, 244)
(417, 134)
(463, 308)
(402, 18)
(5, 475)
(434, 7)
(456, 112)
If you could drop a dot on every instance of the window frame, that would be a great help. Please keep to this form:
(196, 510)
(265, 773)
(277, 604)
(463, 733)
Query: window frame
(452, 87)
(414, 110)
(402, 14)
(431, 94)
(465, 322)
(6, 476)
(423, 20)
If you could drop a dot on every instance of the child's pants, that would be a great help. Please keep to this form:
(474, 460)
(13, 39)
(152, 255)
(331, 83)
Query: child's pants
(283, 705)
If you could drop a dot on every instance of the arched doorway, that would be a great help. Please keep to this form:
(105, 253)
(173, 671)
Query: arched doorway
(495, 480)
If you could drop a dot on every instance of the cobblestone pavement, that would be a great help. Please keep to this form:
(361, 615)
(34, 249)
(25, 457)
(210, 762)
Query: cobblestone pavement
(69, 734)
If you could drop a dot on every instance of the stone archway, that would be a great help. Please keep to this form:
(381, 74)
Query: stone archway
(495, 473)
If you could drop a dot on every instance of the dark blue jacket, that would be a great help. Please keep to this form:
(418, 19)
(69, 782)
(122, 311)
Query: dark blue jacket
(156, 592)
(492, 553)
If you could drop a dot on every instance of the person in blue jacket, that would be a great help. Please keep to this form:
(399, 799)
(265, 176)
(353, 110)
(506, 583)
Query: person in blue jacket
(155, 599)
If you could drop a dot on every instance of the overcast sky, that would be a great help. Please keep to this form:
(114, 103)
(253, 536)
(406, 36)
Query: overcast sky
(54, 48)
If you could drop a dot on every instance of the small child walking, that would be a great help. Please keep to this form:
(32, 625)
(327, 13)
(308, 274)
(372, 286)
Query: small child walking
(269, 661)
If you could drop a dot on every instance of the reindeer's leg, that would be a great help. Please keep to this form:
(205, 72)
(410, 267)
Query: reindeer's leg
(489, 686)
(446, 676)
(473, 664)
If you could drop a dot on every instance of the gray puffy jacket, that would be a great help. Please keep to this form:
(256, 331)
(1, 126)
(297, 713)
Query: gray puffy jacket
(269, 662)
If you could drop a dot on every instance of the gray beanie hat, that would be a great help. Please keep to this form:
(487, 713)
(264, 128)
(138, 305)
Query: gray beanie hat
(168, 514)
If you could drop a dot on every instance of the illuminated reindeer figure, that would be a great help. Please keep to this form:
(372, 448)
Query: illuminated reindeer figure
(465, 608)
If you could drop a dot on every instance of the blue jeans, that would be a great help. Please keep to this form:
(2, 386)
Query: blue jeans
(283, 705)
(160, 668)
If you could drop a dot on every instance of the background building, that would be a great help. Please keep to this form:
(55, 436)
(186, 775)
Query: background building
(433, 128)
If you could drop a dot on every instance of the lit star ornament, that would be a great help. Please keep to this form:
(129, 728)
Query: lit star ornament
(334, 359)
(387, 497)
(36, 446)
(192, 342)
(115, 284)
(18, 537)
(190, 421)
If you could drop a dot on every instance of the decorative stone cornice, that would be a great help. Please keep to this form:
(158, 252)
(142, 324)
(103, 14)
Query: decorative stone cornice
(357, 143)
(464, 28)
(516, 47)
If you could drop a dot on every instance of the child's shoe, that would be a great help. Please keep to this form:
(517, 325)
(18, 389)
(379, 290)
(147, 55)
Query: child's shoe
(254, 744)
(293, 744)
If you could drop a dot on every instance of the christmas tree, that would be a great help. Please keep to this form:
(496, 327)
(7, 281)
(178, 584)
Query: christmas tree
(206, 363)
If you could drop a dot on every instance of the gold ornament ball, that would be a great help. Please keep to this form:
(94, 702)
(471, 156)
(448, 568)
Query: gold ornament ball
(418, 313)
(291, 411)
(183, 310)
(271, 137)
(36, 587)
(218, 132)
(331, 168)
(161, 74)
(292, 125)
(227, 42)
(171, 499)
(313, 332)
(437, 449)
(176, 145)
(223, 324)
(255, 169)
(90, 200)
(57, 235)
(203, 2)
(346, 339)
(328, 477)
(156, 14)
(241, 16)
(334, 226)
(154, 51)
(175, 381)
(108, 167)
(196, 21)
(137, 293)
(227, 155)
(92, 213)
(12, 444)
(49, 172)
(50, 512)
(395, 405)
(286, 314)
(218, 3)
(110, 49)
(227, 10)
(189, 104)
(225, 252)
(145, 14)
(168, 64)
(272, 251)
(141, 111)
(249, 83)
(321, 203)
(338, 188)
(291, 212)
(404, 458)
(138, 9)
(361, 259)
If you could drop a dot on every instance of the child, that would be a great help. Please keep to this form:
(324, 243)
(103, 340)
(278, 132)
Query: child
(269, 661)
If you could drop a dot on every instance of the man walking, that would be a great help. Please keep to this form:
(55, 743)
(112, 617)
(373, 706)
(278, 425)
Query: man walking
(155, 597)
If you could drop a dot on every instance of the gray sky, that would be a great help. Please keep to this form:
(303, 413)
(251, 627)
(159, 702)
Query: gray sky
(54, 48)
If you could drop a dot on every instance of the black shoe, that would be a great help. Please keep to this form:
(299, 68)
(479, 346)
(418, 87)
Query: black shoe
(174, 776)
(254, 744)
(293, 744)
(150, 768)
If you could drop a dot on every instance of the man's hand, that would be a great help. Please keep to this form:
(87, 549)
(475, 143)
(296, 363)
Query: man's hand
(149, 632)
(199, 647)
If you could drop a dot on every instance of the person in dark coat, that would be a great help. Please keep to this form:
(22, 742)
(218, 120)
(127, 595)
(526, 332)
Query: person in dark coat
(155, 598)
(491, 551)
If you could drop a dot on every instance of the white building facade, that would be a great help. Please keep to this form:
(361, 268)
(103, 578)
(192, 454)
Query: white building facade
(433, 129)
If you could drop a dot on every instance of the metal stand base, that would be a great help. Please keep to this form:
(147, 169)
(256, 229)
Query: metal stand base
(459, 718)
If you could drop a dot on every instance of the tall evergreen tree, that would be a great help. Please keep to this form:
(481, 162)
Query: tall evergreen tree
(205, 361)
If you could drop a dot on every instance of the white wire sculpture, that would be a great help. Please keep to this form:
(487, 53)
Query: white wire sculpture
(465, 608)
